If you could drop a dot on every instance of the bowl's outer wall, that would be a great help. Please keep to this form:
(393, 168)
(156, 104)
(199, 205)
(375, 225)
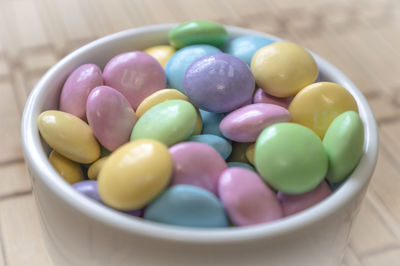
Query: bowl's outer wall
(317, 236)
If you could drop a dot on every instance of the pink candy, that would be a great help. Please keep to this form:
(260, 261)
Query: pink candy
(262, 97)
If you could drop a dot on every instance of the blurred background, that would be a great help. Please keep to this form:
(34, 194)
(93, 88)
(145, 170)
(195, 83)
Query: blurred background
(361, 37)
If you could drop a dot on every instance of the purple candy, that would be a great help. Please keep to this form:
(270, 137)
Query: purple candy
(219, 83)
(197, 164)
(247, 122)
(136, 75)
(247, 199)
(292, 204)
(261, 96)
(110, 116)
(77, 88)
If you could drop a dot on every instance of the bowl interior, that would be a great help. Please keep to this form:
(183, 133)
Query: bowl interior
(46, 94)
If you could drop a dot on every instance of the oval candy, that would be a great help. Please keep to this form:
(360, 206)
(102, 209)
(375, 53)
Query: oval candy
(318, 104)
(185, 205)
(223, 147)
(197, 32)
(70, 171)
(246, 123)
(161, 53)
(242, 165)
(250, 153)
(261, 96)
(110, 116)
(290, 158)
(69, 136)
(169, 122)
(196, 164)
(77, 87)
(343, 142)
(129, 179)
(89, 189)
(211, 123)
(136, 75)
(94, 169)
(239, 152)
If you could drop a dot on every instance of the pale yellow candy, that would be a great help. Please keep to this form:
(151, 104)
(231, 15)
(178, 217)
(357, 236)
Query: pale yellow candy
(135, 174)
(69, 136)
(282, 69)
(239, 152)
(69, 170)
(250, 153)
(318, 104)
(159, 97)
(199, 124)
(95, 168)
(161, 53)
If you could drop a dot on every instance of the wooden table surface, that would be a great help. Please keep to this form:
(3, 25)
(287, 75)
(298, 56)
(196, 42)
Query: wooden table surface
(361, 37)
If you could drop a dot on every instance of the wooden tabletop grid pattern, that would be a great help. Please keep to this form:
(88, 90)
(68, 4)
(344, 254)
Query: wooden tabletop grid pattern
(361, 37)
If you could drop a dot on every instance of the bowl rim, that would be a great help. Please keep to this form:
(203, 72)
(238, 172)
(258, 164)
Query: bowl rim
(38, 163)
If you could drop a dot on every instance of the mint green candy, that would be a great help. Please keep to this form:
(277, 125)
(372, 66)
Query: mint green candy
(197, 32)
(169, 122)
(343, 142)
(290, 158)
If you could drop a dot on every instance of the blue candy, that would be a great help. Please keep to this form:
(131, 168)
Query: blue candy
(182, 59)
(220, 144)
(243, 165)
(211, 123)
(244, 47)
(186, 205)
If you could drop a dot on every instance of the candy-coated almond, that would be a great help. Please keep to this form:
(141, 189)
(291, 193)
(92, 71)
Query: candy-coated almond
(161, 53)
(239, 152)
(69, 136)
(135, 174)
(318, 104)
(95, 168)
(250, 153)
(69, 170)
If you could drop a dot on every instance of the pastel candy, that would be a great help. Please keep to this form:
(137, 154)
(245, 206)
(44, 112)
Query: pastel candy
(225, 77)
(318, 104)
(246, 123)
(239, 152)
(135, 174)
(343, 143)
(197, 164)
(244, 47)
(290, 158)
(185, 205)
(292, 204)
(250, 153)
(110, 116)
(69, 170)
(197, 32)
(261, 96)
(283, 68)
(242, 165)
(169, 122)
(223, 147)
(89, 189)
(211, 122)
(247, 199)
(136, 75)
(95, 168)
(77, 88)
(69, 136)
(161, 53)
(182, 59)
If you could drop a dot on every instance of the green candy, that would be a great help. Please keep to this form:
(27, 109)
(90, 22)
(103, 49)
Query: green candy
(290, 158)
(169, 122)
(197, 32)
(343, 142)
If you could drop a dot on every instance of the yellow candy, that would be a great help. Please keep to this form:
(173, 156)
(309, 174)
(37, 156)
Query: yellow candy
(161, 53)
(318, 104)
(239, 152)
(283, 68)
(250, 153)
(69, 170)
(135, 174)
(95, 168)
(159, 97)
(199, 124)
(69, 136)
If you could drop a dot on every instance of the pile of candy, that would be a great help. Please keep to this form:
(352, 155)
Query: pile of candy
(224, 144)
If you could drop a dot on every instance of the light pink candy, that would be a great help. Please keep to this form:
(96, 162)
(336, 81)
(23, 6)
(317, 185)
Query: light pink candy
(77, 88)
(247, 199)
(262, 97)
(247, 122)
(292, 204)
(197, 164)
(136, 75)
(110, 116)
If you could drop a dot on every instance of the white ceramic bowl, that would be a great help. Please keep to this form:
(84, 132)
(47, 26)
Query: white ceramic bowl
(79, 231)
